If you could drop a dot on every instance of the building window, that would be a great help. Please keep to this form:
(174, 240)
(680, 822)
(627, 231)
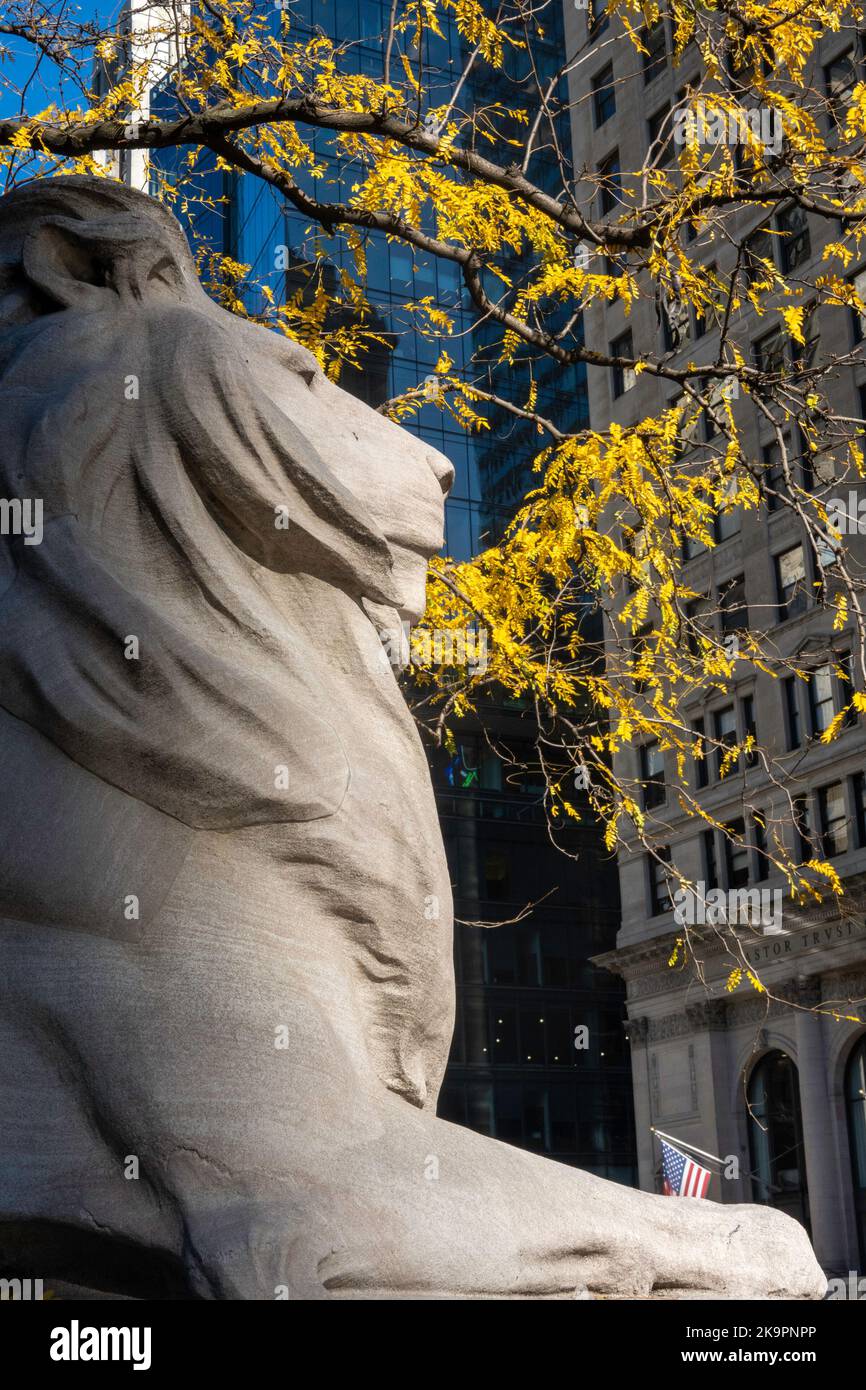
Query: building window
(736, 855)
(609, 184)
(833, 817)
(840, 78)
(859, 318)
(692, 547)
(732, 605)
(822, 706)
(776, 1137)
(770, 356)
(711, 872)
(726, 522)
(641, 650)
(496, 876)
(700, 315)
(773, 474)
(793, 727)
(654, 41)
(598, 18)
(725, 730)
(806, 353)
(803, 827)
(652, 775)
(660, 137)
(636, 545)
(791, 585)
(855, 1106)
(603, 96)
(796, 246)
(697, 628)
(845, 688)
(660, 896)
(759, 838)
(759, 261)
(701, 768)
(747, 714)
(622, 377)
(858, 787)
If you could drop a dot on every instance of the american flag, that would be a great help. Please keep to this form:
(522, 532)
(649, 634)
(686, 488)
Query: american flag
(683, 1177)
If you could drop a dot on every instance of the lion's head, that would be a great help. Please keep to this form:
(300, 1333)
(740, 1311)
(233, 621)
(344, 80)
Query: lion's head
(77, 251)
(205, 488)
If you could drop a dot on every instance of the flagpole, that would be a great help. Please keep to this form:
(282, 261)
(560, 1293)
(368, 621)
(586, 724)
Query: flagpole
(691, 1147)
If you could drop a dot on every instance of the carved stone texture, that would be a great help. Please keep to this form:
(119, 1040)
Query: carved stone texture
(224, 904)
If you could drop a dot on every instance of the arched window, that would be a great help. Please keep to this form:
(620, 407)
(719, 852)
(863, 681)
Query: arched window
(855, 1104)
(776, 1137)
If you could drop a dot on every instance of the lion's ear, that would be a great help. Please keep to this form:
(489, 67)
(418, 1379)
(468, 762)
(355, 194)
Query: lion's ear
(92, 265)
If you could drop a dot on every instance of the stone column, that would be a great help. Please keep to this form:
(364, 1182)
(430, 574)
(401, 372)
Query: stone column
(638, 1032)
(709, 1020)
(822, 1167)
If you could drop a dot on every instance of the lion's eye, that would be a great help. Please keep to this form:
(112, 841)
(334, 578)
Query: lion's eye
(166, 271)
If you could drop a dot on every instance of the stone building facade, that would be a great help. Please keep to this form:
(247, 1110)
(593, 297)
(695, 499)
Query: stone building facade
(761, 1080)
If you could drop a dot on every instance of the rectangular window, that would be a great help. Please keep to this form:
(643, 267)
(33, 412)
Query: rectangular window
(727, 520)
(725, 732)
(747, 715)
(660, 137)
(654, 41)
(736, 855)
(676, 324)
(701, 768)
(805, 354)
(759, 261)
(641, 648)
(711, 872)
(732, 605)
(834, 820)
(821, 704)
(803, 827)
(858, 787)
(609, 184)
(700, 316)
(845, 688)
(859, 318)
(660, 897)
(793, 730)
(795, 242)
(652, 775)
(692, 547)
(792, 589)
(770, 353)
(636, 546)
(622, 376)
(696, 625)
(603, 96)
(840, 78)
(773, 474)
(759, 838)
(598, 18)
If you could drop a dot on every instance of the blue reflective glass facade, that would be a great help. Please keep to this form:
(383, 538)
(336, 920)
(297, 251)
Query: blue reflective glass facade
(492, 468)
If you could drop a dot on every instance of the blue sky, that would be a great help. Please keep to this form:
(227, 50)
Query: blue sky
(44, 83)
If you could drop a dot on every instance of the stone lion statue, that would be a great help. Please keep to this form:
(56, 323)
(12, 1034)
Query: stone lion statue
(224, 903)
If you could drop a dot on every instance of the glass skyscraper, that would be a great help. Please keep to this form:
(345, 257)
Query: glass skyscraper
(526, 991)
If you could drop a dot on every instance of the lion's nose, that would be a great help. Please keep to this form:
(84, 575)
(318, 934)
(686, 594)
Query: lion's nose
(443, 471)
